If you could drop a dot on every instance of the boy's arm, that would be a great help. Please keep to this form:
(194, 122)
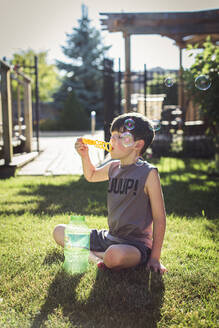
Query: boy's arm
(91, 173)
(154, 191)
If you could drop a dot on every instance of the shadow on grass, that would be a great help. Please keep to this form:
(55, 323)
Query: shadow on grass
(185, 193)
(76, 195)
(54, 257)
(190, 198)
(129, 298)
(186, 197)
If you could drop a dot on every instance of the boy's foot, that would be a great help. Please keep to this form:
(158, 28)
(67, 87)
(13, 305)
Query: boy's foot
(102, 266)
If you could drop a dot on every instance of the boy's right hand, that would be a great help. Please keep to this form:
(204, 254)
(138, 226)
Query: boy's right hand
(81, 148)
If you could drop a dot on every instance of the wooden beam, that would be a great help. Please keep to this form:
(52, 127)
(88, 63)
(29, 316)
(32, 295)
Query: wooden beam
(167, 24)
(197, 39)
(168, 30)
(161, 18)
(127, 77)
(183, 15)
(24, 76)
(6, 112)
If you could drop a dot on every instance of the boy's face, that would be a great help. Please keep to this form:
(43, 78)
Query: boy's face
(121, 147)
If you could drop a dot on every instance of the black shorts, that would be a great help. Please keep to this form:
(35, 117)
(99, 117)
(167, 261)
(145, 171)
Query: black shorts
(99, 243)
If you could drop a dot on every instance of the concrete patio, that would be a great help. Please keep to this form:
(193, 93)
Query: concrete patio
(58, 156)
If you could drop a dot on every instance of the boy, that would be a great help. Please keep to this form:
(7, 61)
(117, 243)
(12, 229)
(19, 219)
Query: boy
(136, 213)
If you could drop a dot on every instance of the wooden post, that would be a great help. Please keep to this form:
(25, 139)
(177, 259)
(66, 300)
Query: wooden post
(28, 115)
(19, 108)
(119, 89)
(108, 97)
(6, 112)
(127, 76)
(145, 90)
(180, 84)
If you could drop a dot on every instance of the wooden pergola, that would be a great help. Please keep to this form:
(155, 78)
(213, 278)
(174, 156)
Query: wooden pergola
(182, 27)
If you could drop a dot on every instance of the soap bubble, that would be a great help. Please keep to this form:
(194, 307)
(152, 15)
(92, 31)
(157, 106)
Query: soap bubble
(156, 125)
(139, 161)
(169, 82)
(127, 139)
(129, 124)
(202, 82)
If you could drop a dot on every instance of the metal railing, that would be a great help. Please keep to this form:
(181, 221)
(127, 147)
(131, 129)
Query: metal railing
(14, 133)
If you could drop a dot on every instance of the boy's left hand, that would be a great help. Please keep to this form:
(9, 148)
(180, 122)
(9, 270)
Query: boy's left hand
(156, 266)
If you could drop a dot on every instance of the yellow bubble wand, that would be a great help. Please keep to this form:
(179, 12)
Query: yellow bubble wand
(98, 144)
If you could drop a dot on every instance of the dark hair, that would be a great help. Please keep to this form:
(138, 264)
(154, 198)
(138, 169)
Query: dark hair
(143, 128)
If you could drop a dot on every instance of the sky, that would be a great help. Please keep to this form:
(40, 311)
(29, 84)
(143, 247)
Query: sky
(42, 26)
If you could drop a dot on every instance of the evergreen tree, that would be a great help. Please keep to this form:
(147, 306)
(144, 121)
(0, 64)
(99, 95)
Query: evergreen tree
(73, 116)
(84, 69)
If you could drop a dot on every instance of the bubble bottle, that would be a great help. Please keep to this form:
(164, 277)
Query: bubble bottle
(76, 245)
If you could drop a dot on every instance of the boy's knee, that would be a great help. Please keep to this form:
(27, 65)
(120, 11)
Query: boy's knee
(59, 233)
(113, 258)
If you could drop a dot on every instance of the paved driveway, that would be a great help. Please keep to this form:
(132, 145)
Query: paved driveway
(58, 156)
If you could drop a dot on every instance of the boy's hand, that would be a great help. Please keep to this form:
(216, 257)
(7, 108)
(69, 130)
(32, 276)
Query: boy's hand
(156, 266)
(81, 148)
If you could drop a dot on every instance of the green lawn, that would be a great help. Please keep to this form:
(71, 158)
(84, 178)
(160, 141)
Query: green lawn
(36, 292)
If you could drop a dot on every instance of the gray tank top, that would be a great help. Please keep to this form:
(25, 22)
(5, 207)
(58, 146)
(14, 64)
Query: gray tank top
(129, 209)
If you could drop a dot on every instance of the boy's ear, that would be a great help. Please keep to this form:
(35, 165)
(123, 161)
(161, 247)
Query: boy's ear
(139, 144)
